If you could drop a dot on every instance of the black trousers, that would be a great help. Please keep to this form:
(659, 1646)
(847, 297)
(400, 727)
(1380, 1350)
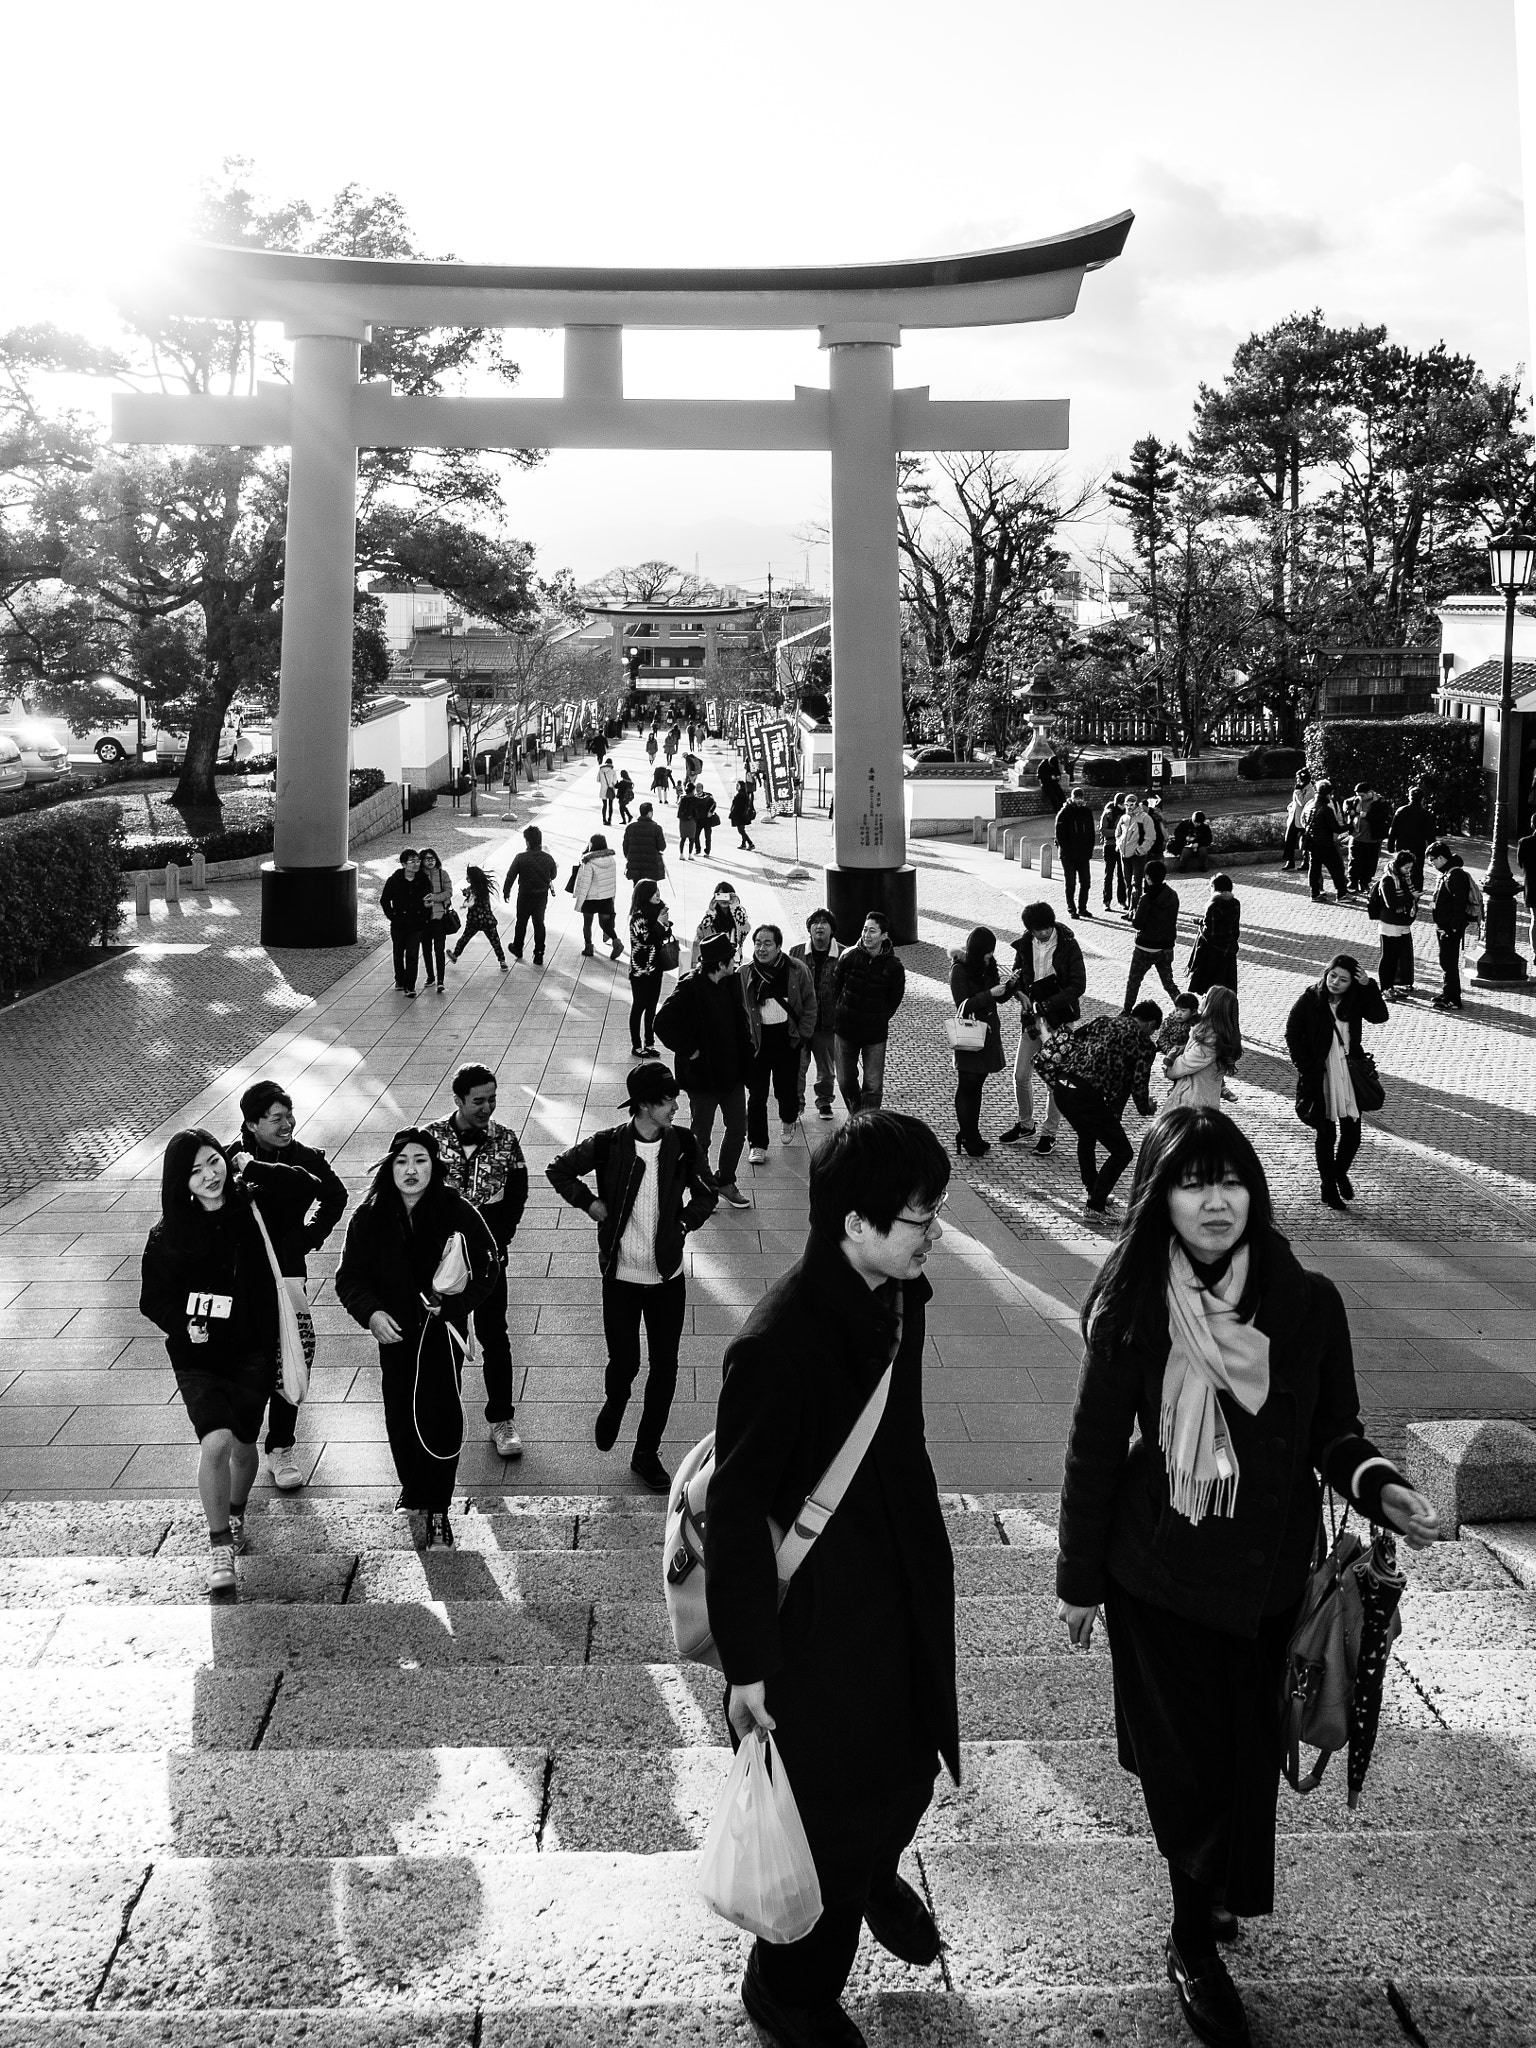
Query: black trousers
(423, 1416)
(706, 833)
(434, 947)
(1113, 873)
(1450, 965)
(776, 1064)
(530, 910)
(608, 807)
(643, 992)
(1097, 1126)
(1396, 969)
(406, 941)
(968, 1092)
(1335, 1146)
(496, 1351)
(1076, 872)
(661, 1308)
(1327, 857)
(731, 1104)
(1292, 845)
(601, 908)
(1364, 854)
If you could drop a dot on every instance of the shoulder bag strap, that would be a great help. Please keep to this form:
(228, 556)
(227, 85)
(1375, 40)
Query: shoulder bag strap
(819, 1505)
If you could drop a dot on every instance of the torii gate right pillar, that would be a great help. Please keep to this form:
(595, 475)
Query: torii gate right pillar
(869, 870)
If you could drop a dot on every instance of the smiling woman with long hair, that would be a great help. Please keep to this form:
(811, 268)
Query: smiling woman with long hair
(1232, 1365)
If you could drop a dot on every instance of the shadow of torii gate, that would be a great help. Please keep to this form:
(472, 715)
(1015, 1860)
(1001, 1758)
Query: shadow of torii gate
(326, 304)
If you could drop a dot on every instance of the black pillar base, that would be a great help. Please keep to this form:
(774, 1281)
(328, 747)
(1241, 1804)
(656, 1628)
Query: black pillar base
(308, 907)
(853, 892)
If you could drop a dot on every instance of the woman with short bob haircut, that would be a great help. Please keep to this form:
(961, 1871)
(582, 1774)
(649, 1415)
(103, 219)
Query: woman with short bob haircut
(207, 1281)
(1197, 1538)
(404, 1279)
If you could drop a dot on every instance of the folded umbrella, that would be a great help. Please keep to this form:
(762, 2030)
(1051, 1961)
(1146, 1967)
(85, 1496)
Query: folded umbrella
(1381, 1588)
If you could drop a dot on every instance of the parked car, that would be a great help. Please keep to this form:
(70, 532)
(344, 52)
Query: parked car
(13, 773)
(43, 757)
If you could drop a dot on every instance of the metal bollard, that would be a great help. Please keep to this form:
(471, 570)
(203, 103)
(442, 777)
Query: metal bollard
(199, 871)
(1045, 861)
(172, 882)
(141, 893)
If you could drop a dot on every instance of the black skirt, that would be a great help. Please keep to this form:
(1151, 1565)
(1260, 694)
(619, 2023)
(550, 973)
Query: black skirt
(1197, 1718)
(232, 1397)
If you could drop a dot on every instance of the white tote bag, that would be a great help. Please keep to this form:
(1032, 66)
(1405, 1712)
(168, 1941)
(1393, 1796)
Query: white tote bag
(292, 1302)
(966, 1034)
(756, 1869)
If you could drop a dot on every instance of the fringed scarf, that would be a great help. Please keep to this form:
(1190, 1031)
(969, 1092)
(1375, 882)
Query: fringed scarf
(1210, 1351)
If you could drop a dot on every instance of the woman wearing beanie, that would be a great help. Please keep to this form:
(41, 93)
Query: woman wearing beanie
(1322, 1035)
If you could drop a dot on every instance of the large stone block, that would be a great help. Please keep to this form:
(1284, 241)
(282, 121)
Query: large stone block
(1475, 1471)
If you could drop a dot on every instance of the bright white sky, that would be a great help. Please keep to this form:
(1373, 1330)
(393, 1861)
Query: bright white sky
(1362, 157)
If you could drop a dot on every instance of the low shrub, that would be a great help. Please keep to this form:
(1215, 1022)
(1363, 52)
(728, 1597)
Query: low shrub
(1099, 771)
(1135, 769)
(420, 800)
(1389, 753)
(365, 782)
(1247, 832)
(1279, 761)
(63, 885)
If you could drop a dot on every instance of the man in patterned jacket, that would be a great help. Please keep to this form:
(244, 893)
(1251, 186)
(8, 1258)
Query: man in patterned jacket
(1092, 1071)
(483, 1162)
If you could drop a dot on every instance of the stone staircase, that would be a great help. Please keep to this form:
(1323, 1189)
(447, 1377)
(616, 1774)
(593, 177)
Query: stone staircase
(456, 1799)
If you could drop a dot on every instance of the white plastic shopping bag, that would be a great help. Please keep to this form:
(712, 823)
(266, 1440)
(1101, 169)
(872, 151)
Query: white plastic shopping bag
(756, 1869)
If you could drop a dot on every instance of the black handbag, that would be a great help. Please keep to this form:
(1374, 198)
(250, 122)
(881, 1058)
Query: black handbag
(1366, 1082)
(452, 922)
(570, 880)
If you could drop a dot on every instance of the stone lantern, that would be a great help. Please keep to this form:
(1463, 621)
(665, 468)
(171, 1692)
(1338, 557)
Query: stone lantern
(1040, 702)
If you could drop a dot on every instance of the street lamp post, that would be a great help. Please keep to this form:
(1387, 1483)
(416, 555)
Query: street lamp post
(1511, 557)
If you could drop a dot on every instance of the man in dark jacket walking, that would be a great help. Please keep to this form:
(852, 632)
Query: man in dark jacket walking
(644, 845)
(1452, 913)
(1156, 920)
(868, 984)
(1370, 819)
(705, 1026)
(1109, 833)
(820, 954)
(483, 1162)
(1050, 981)
(855, 1673)
(651, 1192)
(1075, 835)
(403, 902)
(534, 872)
(266, 1134)
(1411, 830)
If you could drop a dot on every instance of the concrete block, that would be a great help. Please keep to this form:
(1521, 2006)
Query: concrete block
(1475, 1471)
(421, 2028)
(1046, 853)
(466, 1706)
(1513, 1544)
(58, 1930)
(138, 1711)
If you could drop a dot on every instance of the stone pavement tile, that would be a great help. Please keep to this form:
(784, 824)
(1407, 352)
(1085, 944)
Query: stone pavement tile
(499, 1706)
(981, 1383)
(165, 1467)
(1420, 1392)
(134, 1423)
(1473, 1656)
(165, 1581)
(1016, 1422)
(1011, 1466)
(60, 1927)
(42, 1469)
(143, 1712)
(61, 1354)
(103, 1322)
(33, 1425)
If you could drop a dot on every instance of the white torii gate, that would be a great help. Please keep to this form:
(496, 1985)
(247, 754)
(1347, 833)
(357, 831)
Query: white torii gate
(326, 305)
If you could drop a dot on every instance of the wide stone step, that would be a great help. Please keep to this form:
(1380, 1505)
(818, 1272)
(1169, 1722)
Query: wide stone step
(390, 1933)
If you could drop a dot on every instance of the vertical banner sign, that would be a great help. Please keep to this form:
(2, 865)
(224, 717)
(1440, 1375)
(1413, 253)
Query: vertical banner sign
(753, 718)
(712, 714)
(547, 740)
(567, 723)
(778, 764)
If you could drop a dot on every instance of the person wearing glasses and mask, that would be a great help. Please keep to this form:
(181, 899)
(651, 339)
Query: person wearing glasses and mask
(855, 1673)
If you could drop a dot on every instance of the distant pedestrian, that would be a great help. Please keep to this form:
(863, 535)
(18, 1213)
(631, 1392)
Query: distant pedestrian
(206, 1281)
(534, 872)
(267, 1136)
(607, 783)
(704, 1024)
(1093, 1071)
(868, 982)
(652, 949)
(1109, 831)
(418, 1260)
(1296, 817)
(1454, 909)
(651, 1192)
(1156, 918)
(693, 766)
(1075, 838)
(597, 883)
(1050, 979)
(436, 902)
(725, 916)
(820, 955)
(1322, 1036)
(781, 1009)
(624, 794)
(687, 823)
(975, 985)
(644, 849)
(1411, 830)
(650, 745)
(1135, 838)
(705, 818)
(743, 811)
(1208, 1058)
(1370, 819)
(1213, 958)
(1048, 774)
(661, 782)
(479, 915)
(482, 1160)
(1190, 846)
(1159, 829)
(1321, 835)
(402, 903)
(1394, 904)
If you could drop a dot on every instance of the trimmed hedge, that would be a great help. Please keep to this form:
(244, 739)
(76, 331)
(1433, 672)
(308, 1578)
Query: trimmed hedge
(247, 842)
(1270, 764)
(1389, 753)
(365, 782)
(63, 882)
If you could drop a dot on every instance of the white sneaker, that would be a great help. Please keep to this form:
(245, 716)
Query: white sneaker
(788, 1133)
(758, 1156)
(284, 1467)
(506, 1439)
(221, 1569)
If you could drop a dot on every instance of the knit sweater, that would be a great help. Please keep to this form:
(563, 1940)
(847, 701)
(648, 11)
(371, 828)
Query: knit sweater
(636, 1260)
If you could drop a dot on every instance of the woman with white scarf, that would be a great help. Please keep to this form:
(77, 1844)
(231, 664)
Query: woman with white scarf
(1322, 1035)
(1196, 1537)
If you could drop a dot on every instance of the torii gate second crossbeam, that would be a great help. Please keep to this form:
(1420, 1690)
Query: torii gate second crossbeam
(327, 304)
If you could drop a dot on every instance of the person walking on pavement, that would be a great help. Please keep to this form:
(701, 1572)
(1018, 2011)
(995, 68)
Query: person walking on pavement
(1217, 1385)
(534, 872)
(1109, 840)
(743, 811)
(1411, 830)
(206, 1281)
(624, 794)
(1135, 837)
(781, 1008)
(644, 849)
(481, 1160)
(853, 1668)
(1213, 957)
(607, 783)
(1525, 860)
(409, 1238)
(436, 902)
(1322, 831)
(1394, 904)
(661, 782)
(1093, 1070)
(687, 829)
(1296, 817)
(725, 916)
(1050, 979)
(819, 957)
(1156, 919)
(401, 901)
(706, 818)
(704, 1024)
(1197, 1070)
(650, 746)
(267, 1136)
(651, 1193)
(976, 987)
(597, 883)
(652, 950)
(1075, 838)
(1453, 909)
(1369, 822)
(479, 915)
(1048, 775)
(1322, 1036)
(868, 984)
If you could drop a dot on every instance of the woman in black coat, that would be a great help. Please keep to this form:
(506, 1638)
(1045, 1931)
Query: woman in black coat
(1199, 1550)
(1322, 1035)
(224, 1352)
(855, 1673)
(389, 1281)
(976, 987)
(1213, 962)
(1320, 835)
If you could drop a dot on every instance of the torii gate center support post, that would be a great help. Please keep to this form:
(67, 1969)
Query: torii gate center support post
(326, 304)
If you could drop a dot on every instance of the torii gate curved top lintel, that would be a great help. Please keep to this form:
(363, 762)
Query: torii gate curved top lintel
(328, 303)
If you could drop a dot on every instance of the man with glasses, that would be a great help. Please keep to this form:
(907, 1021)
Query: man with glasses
(855, 1674)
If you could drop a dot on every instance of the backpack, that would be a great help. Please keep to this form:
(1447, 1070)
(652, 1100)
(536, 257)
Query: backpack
(1474, 901)
(1376, 904)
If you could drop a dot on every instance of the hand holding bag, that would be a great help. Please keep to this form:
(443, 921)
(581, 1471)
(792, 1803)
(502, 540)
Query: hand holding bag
(1318, 1683)
(292, 1301)
(756, 1869)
